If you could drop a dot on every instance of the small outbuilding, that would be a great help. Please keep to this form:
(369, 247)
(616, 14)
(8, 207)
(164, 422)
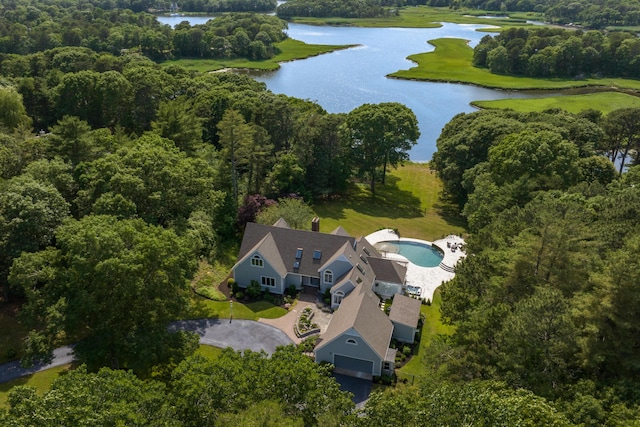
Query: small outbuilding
(405, 315)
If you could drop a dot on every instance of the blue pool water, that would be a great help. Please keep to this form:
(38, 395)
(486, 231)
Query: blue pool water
(421, 254)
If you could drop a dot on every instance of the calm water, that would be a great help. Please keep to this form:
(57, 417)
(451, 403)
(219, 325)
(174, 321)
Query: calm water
(417, 253)
(343, 80)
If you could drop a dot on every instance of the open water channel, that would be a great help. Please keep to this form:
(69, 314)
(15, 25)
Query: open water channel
(343, 80)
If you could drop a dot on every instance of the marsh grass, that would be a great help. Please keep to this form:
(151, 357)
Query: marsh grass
(604, 101)
(422, 17)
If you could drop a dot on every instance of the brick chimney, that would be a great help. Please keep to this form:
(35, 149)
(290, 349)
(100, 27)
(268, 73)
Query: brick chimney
(315, 224)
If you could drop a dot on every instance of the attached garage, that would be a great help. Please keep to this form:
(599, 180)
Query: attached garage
(353, 364)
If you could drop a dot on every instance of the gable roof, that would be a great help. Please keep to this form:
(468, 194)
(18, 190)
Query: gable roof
(405, 311)
(287, 242)
(361, 311)
(281, 223)
(340, 231)
(269, 251)
(387, 270)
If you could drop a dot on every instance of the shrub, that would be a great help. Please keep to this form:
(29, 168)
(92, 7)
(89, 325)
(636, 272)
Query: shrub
(239, 295)
(406, 350)
(254, 289)
(231, 282)
(291, 291)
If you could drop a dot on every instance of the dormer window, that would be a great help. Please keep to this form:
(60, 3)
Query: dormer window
(317, 254)
(257, 261)
(359, 267)
(366, 251)
(364, 259)
(298, 253)
(328, 276)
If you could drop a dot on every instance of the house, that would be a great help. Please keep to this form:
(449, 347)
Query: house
(358, 336)
(354, 274)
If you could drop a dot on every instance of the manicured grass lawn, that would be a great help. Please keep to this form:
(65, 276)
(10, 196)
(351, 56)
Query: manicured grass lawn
(40, 380)
(290, 50)
(204, 308)
(604, 101)
(408, 202)
(451, 62)
(209, 351)
(420, 17)
(432, 328)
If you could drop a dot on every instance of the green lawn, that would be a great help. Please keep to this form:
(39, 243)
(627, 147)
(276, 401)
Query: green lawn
(603, 101)
(408, 202)
(451, 62)
(432, 328)
(289, 50)
(204, 308)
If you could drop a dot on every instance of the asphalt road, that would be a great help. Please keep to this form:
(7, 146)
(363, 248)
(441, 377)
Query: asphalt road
(238, 334)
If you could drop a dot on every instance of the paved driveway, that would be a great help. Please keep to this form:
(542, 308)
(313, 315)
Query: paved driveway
(237, 334)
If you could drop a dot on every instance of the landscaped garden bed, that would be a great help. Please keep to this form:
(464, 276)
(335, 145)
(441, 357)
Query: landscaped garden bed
(304, 326)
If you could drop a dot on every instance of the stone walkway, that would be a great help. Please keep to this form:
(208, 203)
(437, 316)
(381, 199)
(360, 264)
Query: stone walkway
(286, 322)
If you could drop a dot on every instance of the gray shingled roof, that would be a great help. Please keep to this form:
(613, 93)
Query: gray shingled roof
(361, 311)
(405, 311)
(286, 243)
(387, 270)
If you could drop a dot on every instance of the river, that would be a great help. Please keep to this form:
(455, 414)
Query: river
(343, 80)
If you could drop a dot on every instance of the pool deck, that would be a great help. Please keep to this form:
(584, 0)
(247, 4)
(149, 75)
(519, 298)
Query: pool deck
(427, 278)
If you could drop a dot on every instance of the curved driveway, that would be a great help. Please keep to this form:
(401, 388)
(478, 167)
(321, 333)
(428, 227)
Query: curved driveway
(238, 334)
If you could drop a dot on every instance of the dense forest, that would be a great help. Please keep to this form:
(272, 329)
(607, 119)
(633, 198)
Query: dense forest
(560, 53)
(117, 174)
(28, 30)
(334, 8)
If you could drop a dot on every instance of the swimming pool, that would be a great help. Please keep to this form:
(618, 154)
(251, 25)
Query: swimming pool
(422, 254)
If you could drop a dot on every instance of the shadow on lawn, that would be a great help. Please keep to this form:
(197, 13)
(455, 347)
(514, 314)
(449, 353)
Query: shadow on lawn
(389, 202)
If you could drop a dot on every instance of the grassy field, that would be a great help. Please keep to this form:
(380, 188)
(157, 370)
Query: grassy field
(451, 62)
(289, 50)
(605, 102)
(423, 17)
(432, 328)
(408, 202)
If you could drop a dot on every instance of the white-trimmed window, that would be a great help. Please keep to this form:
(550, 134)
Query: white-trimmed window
(256, 261)
(337, 297)
(352, 341)
(268, 281)
(328, 276)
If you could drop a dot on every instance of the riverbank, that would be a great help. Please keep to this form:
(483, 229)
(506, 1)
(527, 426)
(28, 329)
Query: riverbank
(451, 62)
(290, 50)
